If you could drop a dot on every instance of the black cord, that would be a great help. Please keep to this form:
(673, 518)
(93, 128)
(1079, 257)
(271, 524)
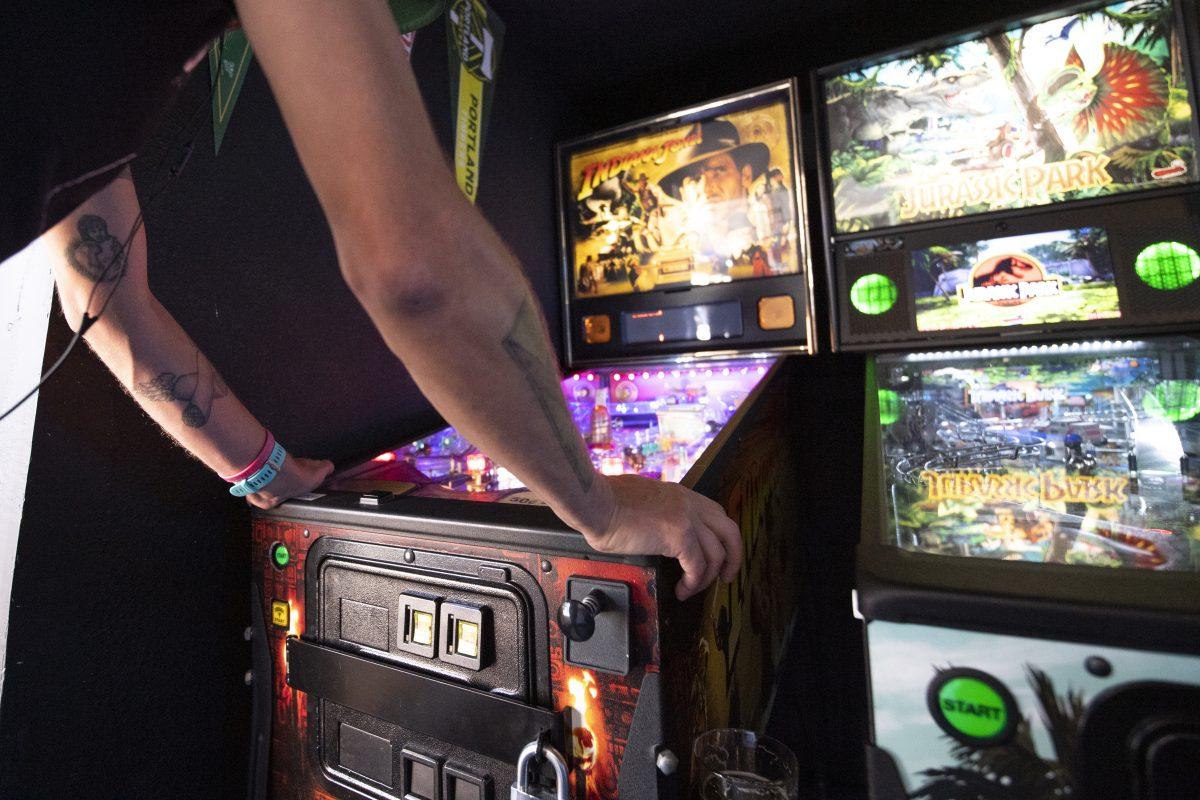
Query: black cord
(122, 253)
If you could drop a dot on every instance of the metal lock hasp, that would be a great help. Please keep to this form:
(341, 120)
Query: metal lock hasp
(520, 789)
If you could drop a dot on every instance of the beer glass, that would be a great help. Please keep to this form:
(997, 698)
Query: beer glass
(733, 764)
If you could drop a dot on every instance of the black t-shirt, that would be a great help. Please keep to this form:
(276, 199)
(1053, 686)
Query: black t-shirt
(83, 85)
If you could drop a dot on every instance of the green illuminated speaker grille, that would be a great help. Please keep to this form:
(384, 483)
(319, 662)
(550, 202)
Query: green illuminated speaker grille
(1168, 265)
(874, 294)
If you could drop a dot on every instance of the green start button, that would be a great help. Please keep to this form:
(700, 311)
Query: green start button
(973, 707)
(280, 555)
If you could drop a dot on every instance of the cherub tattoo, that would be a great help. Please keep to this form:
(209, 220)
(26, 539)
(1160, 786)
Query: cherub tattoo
(96, 253)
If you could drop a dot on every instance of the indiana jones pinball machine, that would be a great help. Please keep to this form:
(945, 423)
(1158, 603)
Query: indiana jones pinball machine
(423, 617)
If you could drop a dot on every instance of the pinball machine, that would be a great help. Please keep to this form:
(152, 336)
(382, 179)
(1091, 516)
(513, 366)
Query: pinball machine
(1013, 214)
(425, 619)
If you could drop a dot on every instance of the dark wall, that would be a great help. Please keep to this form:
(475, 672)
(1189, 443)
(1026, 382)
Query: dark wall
(125, 651)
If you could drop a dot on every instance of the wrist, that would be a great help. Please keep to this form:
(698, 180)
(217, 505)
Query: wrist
(599, 509)
(264, 453)
(264, 475)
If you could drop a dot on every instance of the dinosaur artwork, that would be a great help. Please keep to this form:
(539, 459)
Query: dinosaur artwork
(1085, 105)
(897, 114)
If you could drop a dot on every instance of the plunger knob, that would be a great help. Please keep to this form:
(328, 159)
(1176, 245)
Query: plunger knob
(577, 618)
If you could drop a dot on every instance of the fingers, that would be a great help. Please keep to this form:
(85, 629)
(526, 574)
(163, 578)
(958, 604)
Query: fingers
(727, 532)
(691, 558)
(701, 556)
(714, 554)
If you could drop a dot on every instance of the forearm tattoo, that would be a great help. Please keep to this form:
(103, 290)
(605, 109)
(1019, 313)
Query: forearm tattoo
(526, 345)
(95, 253)
(196, 390)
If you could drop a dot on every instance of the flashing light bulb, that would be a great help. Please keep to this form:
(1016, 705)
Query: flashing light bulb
(477, 462)
(591, 376)
(645, 375)
(388, 456)
(612, 465)
(616, 376)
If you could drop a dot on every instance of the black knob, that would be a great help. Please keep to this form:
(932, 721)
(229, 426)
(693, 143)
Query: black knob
(577, 618)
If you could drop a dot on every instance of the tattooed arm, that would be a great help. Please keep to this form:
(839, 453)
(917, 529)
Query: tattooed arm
(95, 269)
(442, 288)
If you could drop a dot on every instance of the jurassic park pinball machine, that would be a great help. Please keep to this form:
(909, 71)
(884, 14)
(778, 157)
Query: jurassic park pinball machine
(1013, 214)
(425, 617)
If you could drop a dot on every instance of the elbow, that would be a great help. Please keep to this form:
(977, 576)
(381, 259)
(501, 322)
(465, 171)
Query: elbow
(398, 287)
(106, 315)
(405, 275)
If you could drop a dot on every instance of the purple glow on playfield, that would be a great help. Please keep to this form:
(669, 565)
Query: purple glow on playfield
(653, 421)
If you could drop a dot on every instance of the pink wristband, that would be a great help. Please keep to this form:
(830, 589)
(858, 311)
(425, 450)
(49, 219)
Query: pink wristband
(255, 465)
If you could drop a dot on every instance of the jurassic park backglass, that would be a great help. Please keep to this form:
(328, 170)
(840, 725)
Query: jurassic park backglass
(1083, 105)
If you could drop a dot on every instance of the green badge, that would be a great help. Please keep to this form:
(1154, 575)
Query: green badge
(973, 707)
(1168, 265)
(280, 555)
(874, 293)
(228, 60)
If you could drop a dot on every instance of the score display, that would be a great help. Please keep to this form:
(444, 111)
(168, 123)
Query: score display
(1058, 276)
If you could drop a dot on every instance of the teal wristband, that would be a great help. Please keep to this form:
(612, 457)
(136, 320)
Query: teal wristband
(266, 473)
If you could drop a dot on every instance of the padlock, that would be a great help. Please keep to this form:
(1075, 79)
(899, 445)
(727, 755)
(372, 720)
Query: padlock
(520, 789)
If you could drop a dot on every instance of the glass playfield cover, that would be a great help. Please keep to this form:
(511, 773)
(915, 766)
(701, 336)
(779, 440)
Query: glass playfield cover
(1083, 454)
(655, 421)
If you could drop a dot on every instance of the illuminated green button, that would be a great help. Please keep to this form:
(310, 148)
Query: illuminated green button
(1168, 265)
(874, 293)
(973, 707)
(280, 555)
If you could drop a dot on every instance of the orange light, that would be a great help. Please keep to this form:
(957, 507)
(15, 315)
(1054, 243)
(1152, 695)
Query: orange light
(584, 743)
(388, 456)
(477, 462)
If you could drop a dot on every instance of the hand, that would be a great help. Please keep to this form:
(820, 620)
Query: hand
(299, 475)
(652, 517)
